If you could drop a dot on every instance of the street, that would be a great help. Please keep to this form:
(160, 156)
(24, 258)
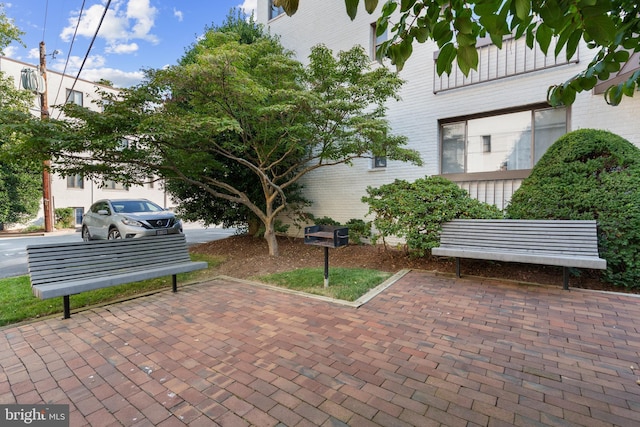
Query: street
(13, 250)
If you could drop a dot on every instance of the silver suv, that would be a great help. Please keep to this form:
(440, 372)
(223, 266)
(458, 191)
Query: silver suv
(127, 218)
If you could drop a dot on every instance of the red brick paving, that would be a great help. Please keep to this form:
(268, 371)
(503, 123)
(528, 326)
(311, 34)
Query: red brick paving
(428, 351)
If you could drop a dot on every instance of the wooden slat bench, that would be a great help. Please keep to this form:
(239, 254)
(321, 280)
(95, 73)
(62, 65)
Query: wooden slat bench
(67, 269)
(565, 243)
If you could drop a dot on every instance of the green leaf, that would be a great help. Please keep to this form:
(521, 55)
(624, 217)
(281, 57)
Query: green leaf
(352, 8)
(573, 42)
(463, 25)
(370, 6)
(445, 59)
(290, 6)
(543, 36)
(406, 5)
(523, 8)
(601, 29)
(467, 58)
(421, 34)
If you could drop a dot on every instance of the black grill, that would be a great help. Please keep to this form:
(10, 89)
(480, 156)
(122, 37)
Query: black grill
(160, 223)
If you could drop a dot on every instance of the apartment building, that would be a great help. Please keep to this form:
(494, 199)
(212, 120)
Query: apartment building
(77, 192)
(485, 131)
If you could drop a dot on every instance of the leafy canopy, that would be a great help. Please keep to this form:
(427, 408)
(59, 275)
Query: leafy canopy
(233, 111)
(20, 180)
(612, 27)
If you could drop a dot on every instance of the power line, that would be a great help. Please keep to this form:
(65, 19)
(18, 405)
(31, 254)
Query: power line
(86, 56)
(44, 26)
(66, 64)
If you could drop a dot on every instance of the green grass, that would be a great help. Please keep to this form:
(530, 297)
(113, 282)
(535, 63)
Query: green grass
(17, 302)
(347, 284)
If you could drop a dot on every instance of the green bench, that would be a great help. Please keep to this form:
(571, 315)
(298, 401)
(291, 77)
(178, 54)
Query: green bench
(565, 243)
(67, 269)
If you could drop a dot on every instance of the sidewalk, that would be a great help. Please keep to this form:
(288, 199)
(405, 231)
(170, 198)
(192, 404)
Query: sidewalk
(428, 351)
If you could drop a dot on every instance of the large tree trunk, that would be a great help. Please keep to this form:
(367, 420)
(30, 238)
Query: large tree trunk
(272, 241)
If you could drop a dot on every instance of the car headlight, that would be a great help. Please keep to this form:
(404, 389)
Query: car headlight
(131, 222)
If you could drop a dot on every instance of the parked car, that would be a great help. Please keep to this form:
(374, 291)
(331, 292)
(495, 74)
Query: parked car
(127, 218)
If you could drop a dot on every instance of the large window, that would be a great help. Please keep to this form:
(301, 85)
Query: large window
(75, 181)
(509, 141)
(75, 97)
(274, 10)
(113, 185)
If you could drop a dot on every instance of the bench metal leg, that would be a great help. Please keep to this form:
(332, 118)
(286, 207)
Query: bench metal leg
(67, 306)
(458, 267)
(565, 278)
(175, 283)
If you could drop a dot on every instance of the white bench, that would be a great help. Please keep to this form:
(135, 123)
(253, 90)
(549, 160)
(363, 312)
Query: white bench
(565, 243)
(67, 269)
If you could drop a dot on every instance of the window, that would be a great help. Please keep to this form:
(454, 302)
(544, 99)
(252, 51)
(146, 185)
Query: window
(510, 141)
(376, 41)
(78, 213)
(274, 10)
(112, 185)
(379, 162)
(74, 97)
(75, 181)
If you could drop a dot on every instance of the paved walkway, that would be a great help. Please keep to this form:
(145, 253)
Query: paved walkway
(428, 351)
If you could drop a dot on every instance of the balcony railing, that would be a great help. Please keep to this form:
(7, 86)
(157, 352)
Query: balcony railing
(515, 58)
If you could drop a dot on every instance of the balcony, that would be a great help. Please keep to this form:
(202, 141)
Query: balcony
(515, 58)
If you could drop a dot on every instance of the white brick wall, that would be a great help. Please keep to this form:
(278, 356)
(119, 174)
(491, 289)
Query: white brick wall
(336, 192)
(64, 197)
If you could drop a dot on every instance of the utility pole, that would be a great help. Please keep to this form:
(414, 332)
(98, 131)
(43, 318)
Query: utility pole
(47, 203)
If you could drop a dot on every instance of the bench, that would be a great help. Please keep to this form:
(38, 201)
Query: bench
(71, 268)
(565, 243)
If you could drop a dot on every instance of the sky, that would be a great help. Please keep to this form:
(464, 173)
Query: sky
(134, 35)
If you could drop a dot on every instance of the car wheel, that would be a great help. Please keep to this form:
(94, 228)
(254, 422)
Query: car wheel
(114, 233)
(85, 234)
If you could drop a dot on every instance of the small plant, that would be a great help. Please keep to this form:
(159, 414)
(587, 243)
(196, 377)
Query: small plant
(325, 220)
(359, 231)
(64, 218)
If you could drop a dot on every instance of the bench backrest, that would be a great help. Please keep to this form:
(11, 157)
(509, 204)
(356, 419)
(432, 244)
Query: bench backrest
(567, 237)
(52, 263)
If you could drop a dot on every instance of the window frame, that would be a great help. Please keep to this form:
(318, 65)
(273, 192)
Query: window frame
(73, 95)
(75, 181)
(375, 42)
(495, 174)
(274, 11)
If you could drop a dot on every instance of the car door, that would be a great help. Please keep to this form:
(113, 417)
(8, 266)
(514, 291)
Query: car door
(99, 227)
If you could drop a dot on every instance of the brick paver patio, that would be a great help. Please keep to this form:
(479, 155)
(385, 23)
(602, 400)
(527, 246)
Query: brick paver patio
(428, 351)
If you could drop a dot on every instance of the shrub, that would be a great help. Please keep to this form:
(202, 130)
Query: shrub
(359, 231)
(64, 218)
(590, 174)
(415, 211)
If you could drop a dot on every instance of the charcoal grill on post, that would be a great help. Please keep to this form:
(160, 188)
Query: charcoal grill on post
(326, 236)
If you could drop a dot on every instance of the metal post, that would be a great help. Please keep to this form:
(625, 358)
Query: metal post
(326, 267)
(47, 203)
(174, 283)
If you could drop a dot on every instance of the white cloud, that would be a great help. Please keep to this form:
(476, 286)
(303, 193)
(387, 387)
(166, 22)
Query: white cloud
(178, 14)
(123, 48)
(10, 51)
(126, 20)
(94, 69)
(249, 6)
(34, 53)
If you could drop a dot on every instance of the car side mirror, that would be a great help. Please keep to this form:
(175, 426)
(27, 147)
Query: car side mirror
(103, 212)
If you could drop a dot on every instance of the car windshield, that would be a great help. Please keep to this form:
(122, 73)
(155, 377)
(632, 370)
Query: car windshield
(131, 206)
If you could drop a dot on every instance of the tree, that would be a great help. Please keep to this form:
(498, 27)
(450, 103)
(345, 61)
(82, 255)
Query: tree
(198, 205)
(247, 105)
(20, 179)
(609, 26)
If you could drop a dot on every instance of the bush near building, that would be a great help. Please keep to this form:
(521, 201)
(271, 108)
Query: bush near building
(415, 211)
(590, 174)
